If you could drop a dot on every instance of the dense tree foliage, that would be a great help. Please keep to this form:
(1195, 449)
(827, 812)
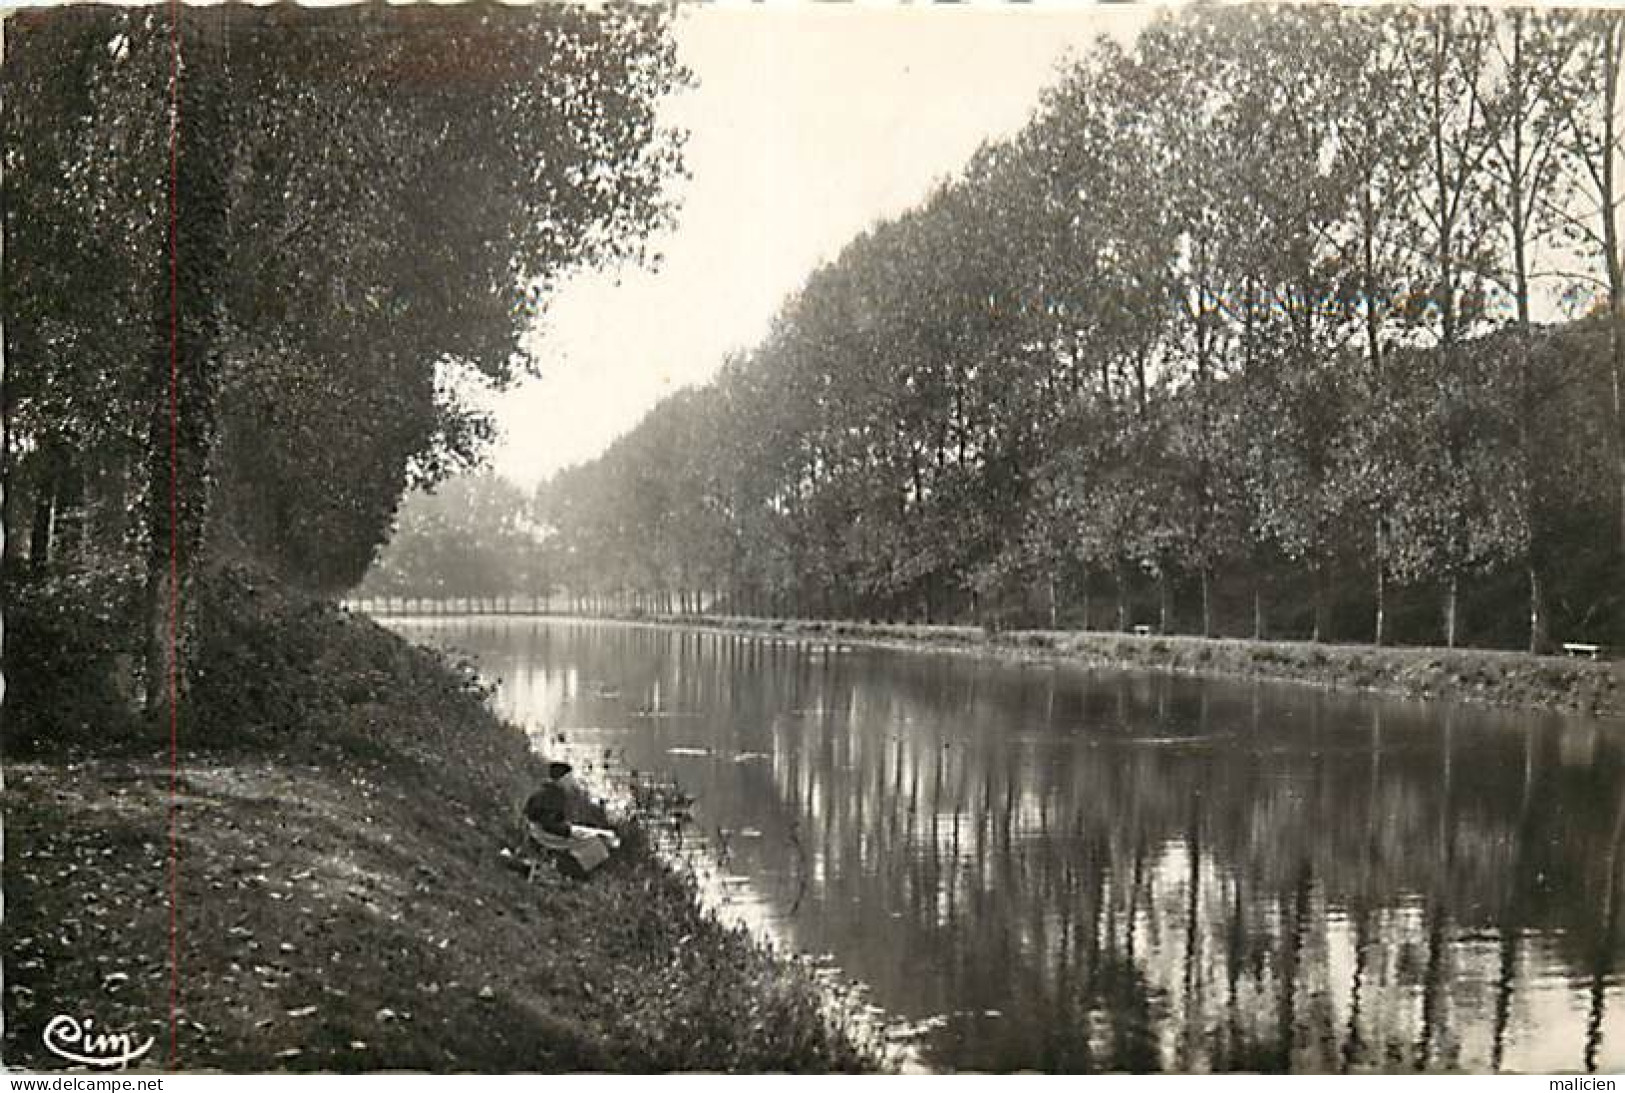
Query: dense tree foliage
(337, 219)
(1242, 332)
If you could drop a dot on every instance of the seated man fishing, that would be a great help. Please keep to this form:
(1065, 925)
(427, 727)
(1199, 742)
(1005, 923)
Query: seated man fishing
(579, 848)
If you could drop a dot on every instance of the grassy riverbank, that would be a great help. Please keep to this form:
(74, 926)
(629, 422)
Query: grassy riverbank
(1471, 675)
(348, 893)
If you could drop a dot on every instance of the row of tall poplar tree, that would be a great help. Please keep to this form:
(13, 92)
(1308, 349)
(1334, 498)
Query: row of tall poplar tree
(1251, 328)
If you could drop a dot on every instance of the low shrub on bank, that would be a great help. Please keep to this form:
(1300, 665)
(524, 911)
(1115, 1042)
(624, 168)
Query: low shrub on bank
(72, 649)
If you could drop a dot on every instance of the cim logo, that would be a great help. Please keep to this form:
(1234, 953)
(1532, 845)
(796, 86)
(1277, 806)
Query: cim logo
(67, 1038)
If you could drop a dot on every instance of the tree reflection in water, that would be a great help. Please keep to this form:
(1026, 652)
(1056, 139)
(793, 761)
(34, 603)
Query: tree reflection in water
(1089, 870)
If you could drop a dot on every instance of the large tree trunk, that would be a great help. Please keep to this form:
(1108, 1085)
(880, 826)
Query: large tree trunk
(1613, 262)
(1451, 610)
(1380, 628)
(1616, 353)
(40, 528)
(1540, 637)
(1207, 602)
(183, 369)
(177, 502)
(1317, 582)
(1519, 186)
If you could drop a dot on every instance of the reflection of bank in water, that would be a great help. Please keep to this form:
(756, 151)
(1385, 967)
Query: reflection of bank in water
(1292, 891)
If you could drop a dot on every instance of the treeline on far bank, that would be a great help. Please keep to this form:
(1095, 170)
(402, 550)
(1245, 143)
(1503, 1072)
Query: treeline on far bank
(1240, 334)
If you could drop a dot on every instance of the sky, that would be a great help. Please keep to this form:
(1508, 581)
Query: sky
(807, 125)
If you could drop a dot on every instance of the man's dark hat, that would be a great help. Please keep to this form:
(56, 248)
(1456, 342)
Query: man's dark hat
(556, 769)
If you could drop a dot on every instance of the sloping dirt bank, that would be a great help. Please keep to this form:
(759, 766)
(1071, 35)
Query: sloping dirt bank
(347, 894)
(1472, 675)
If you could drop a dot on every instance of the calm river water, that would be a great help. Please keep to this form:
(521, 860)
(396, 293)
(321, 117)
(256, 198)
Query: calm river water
(1052, 868)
